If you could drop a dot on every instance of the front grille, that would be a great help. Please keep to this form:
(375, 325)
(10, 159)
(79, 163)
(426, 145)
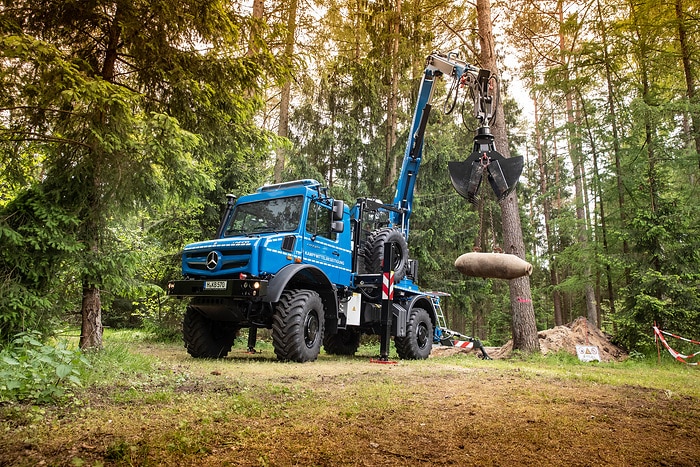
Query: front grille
(231, 258)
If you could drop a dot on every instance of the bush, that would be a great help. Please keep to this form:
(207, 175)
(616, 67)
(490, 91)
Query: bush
(36, 372)
(36, 241)
(162, 316)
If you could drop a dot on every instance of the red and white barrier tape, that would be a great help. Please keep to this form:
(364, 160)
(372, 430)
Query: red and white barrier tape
(679, 337)
(463, 344)
(659, 334)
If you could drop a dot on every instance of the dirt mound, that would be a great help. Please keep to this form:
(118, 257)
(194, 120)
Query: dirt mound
(559, 338)
(567, 337)
(448, 351)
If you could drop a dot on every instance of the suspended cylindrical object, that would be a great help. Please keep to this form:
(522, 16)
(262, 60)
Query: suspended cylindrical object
(493, 265)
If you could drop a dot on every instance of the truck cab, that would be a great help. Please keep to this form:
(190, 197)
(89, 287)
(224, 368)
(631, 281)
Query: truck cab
(279, 225)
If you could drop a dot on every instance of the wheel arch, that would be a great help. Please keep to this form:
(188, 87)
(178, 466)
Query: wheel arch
(425, 302)
(305, 276)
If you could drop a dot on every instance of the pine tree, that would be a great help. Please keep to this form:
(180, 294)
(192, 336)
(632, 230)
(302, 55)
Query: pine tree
(126, 104)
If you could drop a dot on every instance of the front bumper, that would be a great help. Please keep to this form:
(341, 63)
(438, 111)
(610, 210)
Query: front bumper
(234, 288)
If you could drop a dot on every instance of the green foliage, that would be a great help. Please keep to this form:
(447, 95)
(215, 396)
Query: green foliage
(37, 238)
(122, 126)
(116, 363)
(114, 111)
(33, 371)
(162, 317)
(665, 285)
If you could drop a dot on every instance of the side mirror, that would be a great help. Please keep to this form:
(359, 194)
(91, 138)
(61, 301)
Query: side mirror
(338, 210)
(337, 226)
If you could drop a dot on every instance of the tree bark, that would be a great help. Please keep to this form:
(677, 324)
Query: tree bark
(91, 306)
(258, 13)
(283, 128)
(524, 328)
(546, 211)
(688, 72)
(575, 153)
(91, 330)
(642, 52)
(392, 106)
(598, 196)
(615, 141)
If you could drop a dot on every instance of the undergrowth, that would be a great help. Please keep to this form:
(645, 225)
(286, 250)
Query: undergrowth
(36, 371)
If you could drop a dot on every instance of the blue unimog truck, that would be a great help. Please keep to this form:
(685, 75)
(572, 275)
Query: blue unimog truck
(292, 259)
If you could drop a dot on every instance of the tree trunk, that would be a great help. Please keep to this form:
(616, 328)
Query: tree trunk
(392, 105)
(91, 306)
(575, 153)
(283, 128)
(524, 327)
(689, 78)
(615, 142)
(649, 143)
(546, 210)
(598, 195)
(91, 331)
(258, 13)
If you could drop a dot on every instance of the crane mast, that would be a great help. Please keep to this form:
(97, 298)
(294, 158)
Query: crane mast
(436, 66)
(466, 176)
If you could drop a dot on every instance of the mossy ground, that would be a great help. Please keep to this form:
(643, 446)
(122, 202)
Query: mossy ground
(166, 408)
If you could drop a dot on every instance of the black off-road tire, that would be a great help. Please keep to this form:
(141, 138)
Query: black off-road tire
(206, 338)
(419, 337)
(373, 252)
(297, 326)
(345, 342)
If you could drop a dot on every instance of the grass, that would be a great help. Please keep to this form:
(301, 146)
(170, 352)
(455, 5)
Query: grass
(149, 403)
(119, 362)
(669, 375)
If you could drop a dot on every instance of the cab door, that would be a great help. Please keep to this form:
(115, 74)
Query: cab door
(322, 246)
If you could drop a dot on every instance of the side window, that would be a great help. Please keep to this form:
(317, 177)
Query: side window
(319, 221)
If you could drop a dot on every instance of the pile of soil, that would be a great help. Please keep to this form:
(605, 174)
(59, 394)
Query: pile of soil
(560, 338)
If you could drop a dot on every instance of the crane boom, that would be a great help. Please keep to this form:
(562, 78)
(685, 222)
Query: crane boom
(503, 174)
(436, 66)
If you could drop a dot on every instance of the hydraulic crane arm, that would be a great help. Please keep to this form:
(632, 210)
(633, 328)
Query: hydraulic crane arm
(436, 66)
(502, 173)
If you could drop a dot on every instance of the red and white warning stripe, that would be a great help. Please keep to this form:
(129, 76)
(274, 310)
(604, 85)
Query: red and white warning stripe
(388, 286)
(679, 337)
(659, 334)
(463, 344)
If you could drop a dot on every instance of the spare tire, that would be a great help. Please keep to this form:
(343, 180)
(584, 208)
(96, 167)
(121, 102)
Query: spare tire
(373, 252)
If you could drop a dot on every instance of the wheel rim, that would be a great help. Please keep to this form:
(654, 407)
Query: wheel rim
(398, 257)
(422, 335)
(311, 329)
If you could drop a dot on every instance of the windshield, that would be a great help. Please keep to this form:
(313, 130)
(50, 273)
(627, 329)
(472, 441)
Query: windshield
(272, 215)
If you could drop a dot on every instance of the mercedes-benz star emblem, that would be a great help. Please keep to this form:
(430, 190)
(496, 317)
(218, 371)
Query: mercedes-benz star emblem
(212, 260)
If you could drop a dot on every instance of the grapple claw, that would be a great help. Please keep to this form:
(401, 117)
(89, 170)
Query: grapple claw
(503, 173)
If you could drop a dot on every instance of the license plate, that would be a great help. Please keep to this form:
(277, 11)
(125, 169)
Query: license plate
(215, 285)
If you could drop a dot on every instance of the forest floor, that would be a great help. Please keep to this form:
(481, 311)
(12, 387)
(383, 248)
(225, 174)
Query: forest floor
(457, 410)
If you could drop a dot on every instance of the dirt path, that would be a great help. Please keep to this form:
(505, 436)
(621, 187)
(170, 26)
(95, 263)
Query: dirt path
(453, 411)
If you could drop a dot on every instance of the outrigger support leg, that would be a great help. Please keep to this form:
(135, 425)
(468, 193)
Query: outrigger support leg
(446, 336)
(478, 345)
(252, 338)
(387, 296)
